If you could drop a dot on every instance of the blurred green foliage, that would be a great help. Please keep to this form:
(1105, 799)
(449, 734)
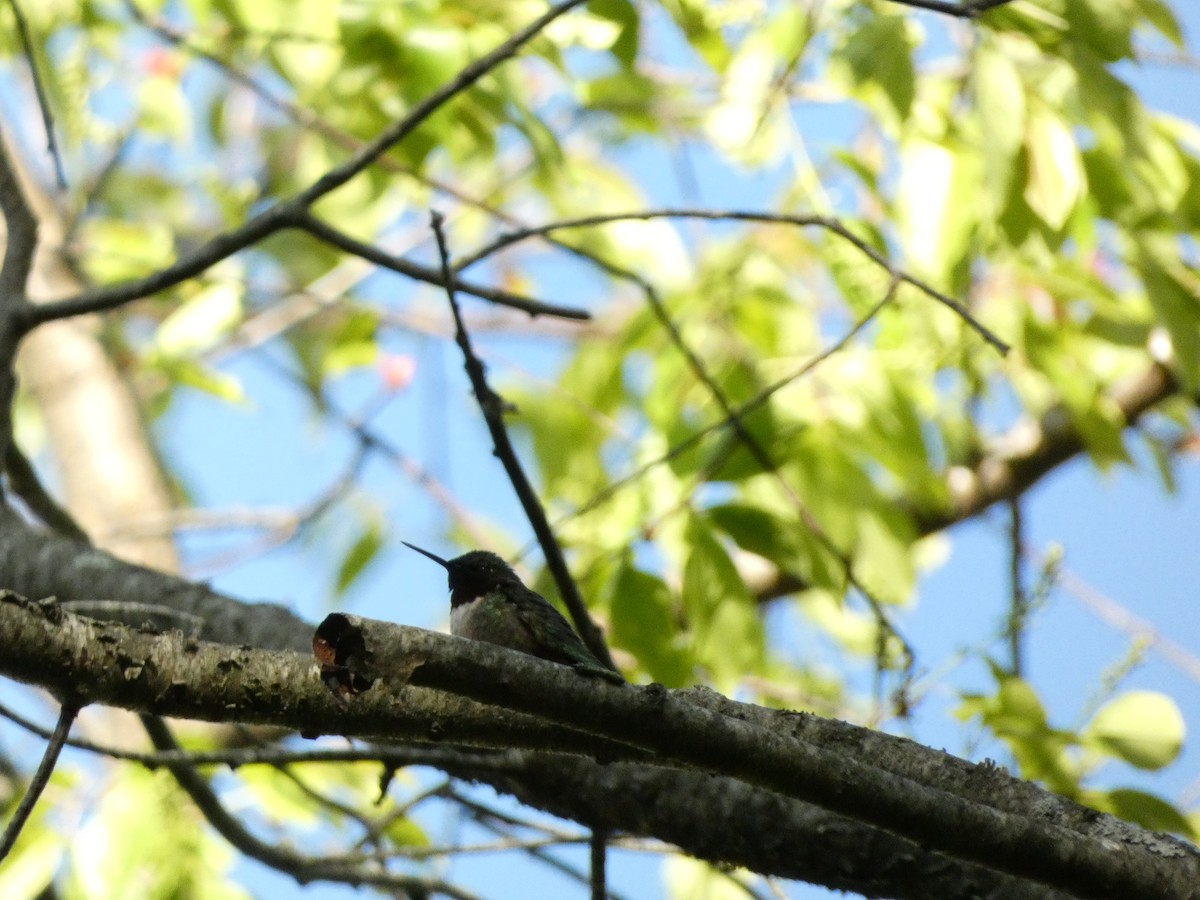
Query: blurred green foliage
(1005, 161)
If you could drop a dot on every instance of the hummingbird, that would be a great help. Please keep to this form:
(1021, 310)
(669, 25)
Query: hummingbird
(490, 603)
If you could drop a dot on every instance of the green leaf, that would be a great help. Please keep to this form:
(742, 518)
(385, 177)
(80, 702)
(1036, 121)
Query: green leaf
(776, 538)
(625, 15)
(201, 322)
(936, 224)
(1143, 728)
(359, 556)
(882, 558)
(1016, 716)
(721, 613)
(354, 344)
(309, 63)
(404, 832)
(879, 56)
(189, 373)
(37, 854)
(693, 879)
(1104, 25)
(626, 94)
(700, 24)
(1159, 14)
(645, 622)
(1000, 98)
(756, 530)
(163, 108)
(1056, 178)
(1174, 292)
(121, 250)
(141, 820)
(1147, 810)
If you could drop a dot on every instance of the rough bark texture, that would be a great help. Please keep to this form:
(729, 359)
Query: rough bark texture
(43, 565)
(716, 811)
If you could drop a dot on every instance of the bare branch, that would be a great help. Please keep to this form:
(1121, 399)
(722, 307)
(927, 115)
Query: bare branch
(351, 869)
(685, 733)
(829, 224)
(598, 853)
(970, 9)
(40, 90)
(66, 717)
(1018, 601)
(342, 241)
(26, 484)
(492, 406)
(287, 213)
(749, 406)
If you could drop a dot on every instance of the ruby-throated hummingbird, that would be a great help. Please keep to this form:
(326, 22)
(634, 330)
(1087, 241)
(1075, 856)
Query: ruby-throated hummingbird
(490, 603)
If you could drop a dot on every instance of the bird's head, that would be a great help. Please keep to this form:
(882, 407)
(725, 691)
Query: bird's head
(475, 572)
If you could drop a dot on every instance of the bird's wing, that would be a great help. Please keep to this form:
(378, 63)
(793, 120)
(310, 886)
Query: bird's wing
(557, 640)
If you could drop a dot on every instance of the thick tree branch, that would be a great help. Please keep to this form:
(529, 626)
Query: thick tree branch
(1033, 449)
(167, 674)
(711, 818)
(722, 819)
(44, 565)
(686, 734)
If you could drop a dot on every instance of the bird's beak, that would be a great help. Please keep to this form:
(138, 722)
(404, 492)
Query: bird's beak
(437, 559)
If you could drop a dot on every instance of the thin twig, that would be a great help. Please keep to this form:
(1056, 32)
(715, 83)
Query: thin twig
(744, 409)
(496, 761)
(762, 456)
(492, 407)
(40, 90)
(1122, 619)
(829, 224)
(288, 213)
(1018, 605)
(343, 241)
(66, 717)
(302, 116)
(494, 821)
(350, 869)
(25, 484)
(969, 10)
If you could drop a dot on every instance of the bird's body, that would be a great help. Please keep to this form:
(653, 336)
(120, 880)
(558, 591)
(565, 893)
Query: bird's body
(490, 603)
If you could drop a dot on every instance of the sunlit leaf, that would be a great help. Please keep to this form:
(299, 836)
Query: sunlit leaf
(1141, 808)
(201, 321)
(1056, 178)
(644, 622)
(360, 554)
(1144, 728)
